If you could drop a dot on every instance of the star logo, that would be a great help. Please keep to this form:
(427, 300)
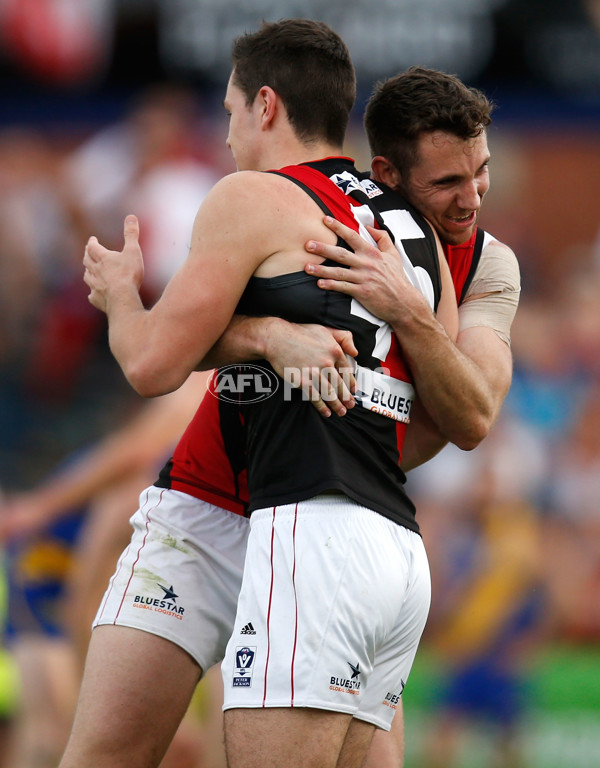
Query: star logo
(347, 182)
(169, 593)
(355, 670)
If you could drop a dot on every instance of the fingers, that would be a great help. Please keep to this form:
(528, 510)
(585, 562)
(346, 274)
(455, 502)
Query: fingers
(382, 239)
(333, 252)
(358, 243)
(328, 391)
(131, 230)
(360, 247)
(90, 253)
(345, 340)
(341, 279)
(351, 236)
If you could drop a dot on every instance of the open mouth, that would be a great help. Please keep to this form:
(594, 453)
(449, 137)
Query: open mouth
(465, 220)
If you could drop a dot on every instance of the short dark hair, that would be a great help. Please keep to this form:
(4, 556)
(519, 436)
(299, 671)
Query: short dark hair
(308, 65)
(420, 101)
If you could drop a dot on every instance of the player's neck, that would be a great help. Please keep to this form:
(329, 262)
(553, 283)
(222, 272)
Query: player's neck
(296, 152)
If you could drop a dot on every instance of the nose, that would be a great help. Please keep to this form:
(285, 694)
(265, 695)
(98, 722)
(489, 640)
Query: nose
(470, 195)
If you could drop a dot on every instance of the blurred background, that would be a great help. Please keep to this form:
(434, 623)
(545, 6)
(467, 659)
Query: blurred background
(115, 106)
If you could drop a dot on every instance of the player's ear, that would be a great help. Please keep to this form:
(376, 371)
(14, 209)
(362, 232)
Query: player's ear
(384, 171)
(268, 103)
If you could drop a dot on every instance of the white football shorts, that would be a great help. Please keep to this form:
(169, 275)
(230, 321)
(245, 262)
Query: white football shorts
(180, 576)
(333, 603)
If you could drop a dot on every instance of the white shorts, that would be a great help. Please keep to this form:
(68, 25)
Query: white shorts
(333, 603)
(180, 576)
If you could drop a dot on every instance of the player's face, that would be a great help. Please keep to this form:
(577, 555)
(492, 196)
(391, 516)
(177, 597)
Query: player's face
(242, 135)
(448, 182)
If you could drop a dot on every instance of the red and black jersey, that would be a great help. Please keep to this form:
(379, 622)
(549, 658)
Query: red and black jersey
(209, 462)
(294, 453)
(463, 260)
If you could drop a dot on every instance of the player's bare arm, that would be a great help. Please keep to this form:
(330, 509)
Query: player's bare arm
(158, 348)
(311, 357)
(460, 395)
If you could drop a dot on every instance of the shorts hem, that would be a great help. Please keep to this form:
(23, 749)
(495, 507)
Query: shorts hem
(376, 721)
(286, 705)
(373, 719)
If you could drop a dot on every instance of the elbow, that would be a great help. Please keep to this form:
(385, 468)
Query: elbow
(470, 434)
(150, 380)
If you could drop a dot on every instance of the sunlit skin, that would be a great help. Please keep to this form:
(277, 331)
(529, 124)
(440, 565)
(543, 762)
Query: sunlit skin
(242, 129)
(447, 183)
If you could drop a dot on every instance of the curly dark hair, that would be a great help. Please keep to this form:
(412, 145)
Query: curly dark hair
(420, 101)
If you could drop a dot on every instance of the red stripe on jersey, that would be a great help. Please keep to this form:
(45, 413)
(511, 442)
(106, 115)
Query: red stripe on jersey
(338, 203)
(460, 258)
(341, 206)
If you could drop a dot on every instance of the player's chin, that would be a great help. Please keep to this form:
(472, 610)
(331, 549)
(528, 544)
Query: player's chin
(456, 233)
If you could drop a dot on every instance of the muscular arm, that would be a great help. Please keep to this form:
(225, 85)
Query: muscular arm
(158, 348)
(488, 362)
(310, 357)
(485, 319)
(461, 386)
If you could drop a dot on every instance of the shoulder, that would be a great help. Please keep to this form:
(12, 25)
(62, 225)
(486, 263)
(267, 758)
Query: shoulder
(498, 268)
(254, 192)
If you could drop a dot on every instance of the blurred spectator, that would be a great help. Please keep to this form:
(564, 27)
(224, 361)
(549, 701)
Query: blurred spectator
(9, 681)
(547, 382)
(573, 538)
(489, 607)
(60, 386)
(62, 541)
(146, 164)
(34, 235)
(58, 41)
(59, 371)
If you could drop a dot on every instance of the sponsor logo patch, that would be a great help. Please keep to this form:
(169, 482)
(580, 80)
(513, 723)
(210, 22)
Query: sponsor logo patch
(393, 699)
(166, 605)
(244, 661)
(350, 684)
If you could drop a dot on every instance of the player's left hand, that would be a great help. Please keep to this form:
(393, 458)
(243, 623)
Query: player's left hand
(373, 274)
(106, 271)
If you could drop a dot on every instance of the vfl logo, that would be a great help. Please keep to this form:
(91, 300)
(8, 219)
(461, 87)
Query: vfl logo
(242, 674)
(243, 383)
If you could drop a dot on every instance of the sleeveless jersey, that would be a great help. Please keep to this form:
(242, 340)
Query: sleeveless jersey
(209, 462)
(293, 452)
(463, 260)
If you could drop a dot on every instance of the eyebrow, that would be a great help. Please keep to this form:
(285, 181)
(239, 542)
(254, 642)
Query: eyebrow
(455, 176)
